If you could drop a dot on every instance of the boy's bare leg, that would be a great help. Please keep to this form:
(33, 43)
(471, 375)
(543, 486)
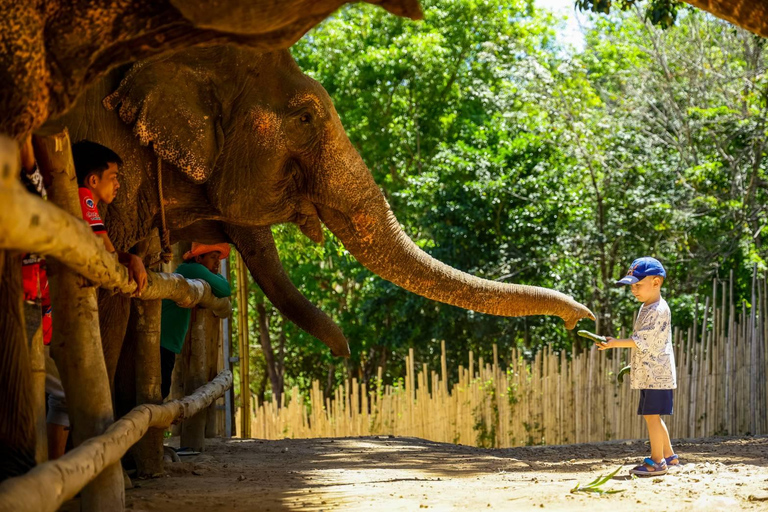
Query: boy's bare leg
(668, 451)
(657, 435)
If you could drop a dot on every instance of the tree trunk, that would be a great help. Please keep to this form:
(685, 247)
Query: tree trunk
(76, 341)
(148, 452)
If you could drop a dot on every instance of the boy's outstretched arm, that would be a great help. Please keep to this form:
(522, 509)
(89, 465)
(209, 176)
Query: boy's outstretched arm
(616, 343)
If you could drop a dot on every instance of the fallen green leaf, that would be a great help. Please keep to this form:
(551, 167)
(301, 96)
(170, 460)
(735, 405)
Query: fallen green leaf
(595, 486)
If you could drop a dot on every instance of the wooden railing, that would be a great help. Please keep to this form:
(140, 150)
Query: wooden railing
(53, 229)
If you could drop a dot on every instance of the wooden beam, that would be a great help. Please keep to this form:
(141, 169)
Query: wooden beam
(46, 487)
(30, 224)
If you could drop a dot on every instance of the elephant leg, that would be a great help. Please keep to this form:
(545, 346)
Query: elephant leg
(114, 312)
(257, 246)
(17, 415)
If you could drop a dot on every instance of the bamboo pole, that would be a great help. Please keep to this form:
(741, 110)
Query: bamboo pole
(242, 308)
(49, 485)
(76, 341)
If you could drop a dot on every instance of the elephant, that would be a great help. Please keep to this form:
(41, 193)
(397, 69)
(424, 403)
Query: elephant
(51, 50)
(242, 140)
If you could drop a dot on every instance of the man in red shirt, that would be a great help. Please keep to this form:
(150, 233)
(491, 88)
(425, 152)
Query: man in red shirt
(97, 172)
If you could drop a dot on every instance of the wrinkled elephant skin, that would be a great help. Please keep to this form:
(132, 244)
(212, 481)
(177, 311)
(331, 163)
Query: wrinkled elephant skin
(50, 50)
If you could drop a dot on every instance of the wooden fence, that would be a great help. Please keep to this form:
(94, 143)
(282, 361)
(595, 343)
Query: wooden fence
(722, 389)
(54, 229)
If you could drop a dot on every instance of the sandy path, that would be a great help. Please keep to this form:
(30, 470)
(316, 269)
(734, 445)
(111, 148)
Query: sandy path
(382, 473)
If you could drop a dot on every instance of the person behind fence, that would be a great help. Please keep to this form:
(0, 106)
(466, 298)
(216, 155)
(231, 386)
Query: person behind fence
(653, 361)
(97, 168)
(201, 262)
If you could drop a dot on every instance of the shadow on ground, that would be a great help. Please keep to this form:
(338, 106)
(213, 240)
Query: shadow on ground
(387, 473)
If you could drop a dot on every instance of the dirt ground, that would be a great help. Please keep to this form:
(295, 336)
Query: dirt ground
(388, 473)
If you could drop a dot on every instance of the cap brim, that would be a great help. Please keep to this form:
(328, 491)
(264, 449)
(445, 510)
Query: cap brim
(627, 280)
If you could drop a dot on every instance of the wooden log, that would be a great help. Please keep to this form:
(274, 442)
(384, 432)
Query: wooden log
(49, 485)
(187, 293)
(17, 437)
(30, 224)
(76, 340)
(193, 430)
(214, 423)
(33, 322)
(148, 452)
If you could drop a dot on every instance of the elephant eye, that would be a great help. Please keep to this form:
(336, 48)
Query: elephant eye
(305, 117)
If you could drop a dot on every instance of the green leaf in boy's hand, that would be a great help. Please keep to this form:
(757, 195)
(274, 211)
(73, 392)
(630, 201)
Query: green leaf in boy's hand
(592, 336)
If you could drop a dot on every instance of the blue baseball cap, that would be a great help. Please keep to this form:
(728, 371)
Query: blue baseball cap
(641, 268)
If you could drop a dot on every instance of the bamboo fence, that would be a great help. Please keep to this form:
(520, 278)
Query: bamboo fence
(553, 399)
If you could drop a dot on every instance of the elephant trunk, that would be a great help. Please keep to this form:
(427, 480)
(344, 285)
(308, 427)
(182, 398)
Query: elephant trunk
(257, 247)
(370, 231)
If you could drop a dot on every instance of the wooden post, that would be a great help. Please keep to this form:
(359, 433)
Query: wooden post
(193, 429)
(242, 317)
(33, 320)
(148, 452)
(17, 437)
(76, 341)
(212, 339)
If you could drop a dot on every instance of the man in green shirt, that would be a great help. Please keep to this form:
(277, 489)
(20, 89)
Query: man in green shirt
(202, 262)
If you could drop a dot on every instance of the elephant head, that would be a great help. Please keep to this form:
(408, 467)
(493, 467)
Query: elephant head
(266, 145)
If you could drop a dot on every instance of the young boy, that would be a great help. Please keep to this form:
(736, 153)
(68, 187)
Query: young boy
(202, 262)
(653, 361)
(96, 167)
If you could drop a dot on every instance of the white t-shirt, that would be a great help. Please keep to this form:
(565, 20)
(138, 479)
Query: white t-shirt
(653, 361)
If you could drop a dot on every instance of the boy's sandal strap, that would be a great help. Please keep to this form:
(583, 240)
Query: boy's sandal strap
(671, 458)
(652, 462)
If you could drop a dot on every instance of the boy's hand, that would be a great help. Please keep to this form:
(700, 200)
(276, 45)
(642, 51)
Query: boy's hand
(137, 273)
(609, 343)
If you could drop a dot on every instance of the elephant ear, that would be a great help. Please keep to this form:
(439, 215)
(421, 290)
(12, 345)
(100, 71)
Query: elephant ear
(172, 106)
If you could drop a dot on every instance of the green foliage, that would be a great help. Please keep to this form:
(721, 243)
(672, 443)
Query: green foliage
(486, 434)
(509, 157)
(659, 12)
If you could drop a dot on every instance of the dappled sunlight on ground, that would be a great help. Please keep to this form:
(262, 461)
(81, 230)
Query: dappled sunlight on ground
(387, 473)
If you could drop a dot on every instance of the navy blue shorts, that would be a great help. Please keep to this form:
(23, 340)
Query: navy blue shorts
(655, 401)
